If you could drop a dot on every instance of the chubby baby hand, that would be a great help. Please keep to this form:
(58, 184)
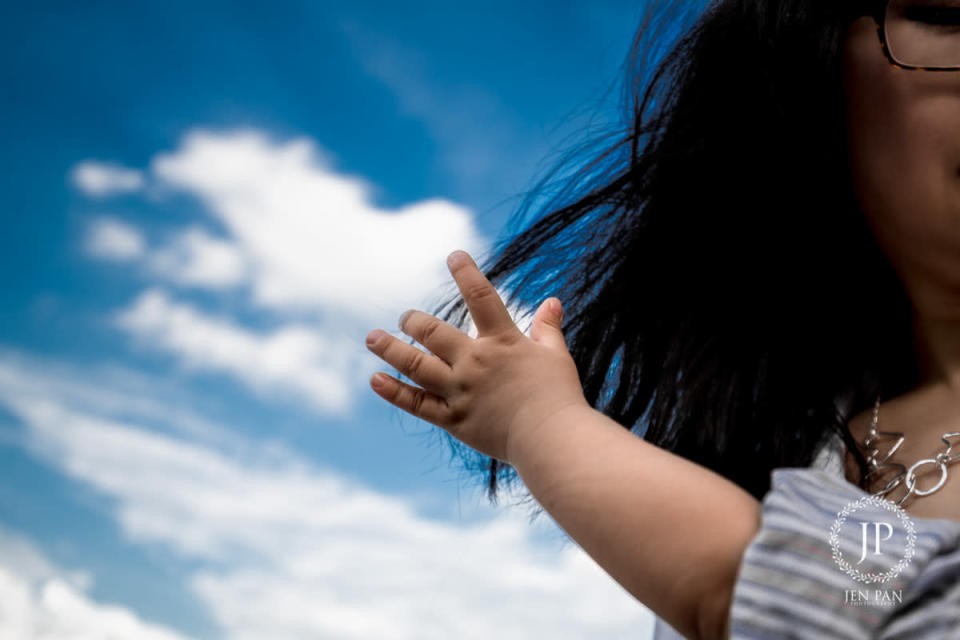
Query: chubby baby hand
(490, 392)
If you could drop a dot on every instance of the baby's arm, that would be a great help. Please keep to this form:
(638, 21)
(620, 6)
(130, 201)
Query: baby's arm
(671, 532)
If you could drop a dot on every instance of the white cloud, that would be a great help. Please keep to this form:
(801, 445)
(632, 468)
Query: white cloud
(301, 236)
(284, 549)
(43, 602)
(120, 392)
(101, 179)
(293, 359)
(311, 238)
(18, 555)
(112, 239)
(196, 258)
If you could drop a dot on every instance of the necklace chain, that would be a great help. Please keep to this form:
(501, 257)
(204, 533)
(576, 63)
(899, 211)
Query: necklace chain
(905, 475)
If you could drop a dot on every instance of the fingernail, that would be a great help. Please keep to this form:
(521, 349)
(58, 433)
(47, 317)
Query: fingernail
(378, 380)
(374, 336)
(456, 258)
(555, 306)
(403, 317)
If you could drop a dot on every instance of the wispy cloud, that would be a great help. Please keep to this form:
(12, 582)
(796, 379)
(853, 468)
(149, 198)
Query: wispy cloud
(294, 360)
(197, 258)
(42, 601)
(290, 550)
(100, 179)
(111, 239)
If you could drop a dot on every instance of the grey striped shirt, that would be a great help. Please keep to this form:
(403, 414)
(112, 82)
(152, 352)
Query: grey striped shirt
(790, 584)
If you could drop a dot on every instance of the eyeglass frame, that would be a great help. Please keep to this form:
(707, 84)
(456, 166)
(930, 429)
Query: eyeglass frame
(879, 14)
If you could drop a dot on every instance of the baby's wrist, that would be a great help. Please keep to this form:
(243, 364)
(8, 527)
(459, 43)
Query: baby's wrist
(522, 440)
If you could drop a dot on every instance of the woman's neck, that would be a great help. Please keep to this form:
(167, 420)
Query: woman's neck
(935, 320)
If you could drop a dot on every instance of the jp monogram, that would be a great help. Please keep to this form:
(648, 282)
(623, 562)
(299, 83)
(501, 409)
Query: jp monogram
(885, 537)
(877, 526)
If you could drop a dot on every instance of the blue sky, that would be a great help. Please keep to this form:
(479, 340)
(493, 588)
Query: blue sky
(206, 207)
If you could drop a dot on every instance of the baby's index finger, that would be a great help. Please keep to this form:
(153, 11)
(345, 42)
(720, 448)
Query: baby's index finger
(483, 301)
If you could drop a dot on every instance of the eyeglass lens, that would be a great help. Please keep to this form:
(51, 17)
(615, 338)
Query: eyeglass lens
(924, 33)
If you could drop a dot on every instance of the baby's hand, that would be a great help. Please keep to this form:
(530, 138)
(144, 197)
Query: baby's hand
(489, 392)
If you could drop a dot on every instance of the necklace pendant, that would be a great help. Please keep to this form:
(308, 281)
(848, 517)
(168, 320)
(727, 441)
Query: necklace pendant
(874, 437)
(947, 458)
(912, 476)
(892, 483)
(909, 476)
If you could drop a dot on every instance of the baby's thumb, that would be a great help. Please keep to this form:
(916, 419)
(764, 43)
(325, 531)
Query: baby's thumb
(547, 322)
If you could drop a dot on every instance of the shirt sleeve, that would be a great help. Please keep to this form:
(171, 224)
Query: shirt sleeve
(802, 576)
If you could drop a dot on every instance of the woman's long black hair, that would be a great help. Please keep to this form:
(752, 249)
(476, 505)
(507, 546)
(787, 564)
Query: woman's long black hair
(724, 297)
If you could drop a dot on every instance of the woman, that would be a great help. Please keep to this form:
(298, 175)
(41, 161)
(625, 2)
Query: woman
(769, 247)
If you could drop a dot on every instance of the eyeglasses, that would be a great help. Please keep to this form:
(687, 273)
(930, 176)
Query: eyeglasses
(920, 34)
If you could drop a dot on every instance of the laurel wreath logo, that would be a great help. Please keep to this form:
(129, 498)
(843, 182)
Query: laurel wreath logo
(855, 573)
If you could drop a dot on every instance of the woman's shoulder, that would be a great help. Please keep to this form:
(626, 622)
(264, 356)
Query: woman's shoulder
(831, 558)
(800, 575)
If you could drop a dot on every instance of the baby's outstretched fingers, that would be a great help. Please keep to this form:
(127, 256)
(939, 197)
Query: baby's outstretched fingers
(418, 402)
(489, 314)
(442, 338)
(425, 369)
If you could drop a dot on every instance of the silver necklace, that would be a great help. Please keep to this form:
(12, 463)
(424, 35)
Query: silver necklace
(941, 460)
